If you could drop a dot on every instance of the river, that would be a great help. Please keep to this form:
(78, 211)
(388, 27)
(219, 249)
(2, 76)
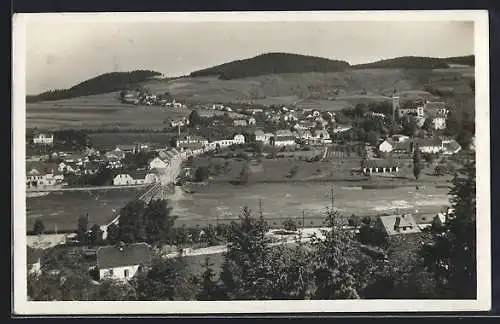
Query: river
(223, 200)
(282, 200)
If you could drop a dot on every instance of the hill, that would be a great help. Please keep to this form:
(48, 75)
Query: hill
(417, 62)
(104, 83)
(406, 62)
(272, 63)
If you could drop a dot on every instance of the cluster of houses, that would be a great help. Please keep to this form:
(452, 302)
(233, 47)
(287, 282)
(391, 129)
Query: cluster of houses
(399, 224)
(141, 98)
(40, 138)
(401, 144)
(436, 111)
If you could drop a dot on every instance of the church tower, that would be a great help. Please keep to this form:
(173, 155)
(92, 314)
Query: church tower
(395, 104)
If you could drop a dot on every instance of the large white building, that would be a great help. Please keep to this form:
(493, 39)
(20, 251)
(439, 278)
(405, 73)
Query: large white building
(43, 139)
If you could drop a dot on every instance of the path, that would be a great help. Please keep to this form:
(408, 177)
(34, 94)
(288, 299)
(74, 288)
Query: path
(86, 188)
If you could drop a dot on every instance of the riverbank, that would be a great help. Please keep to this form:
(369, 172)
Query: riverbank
(33, 192)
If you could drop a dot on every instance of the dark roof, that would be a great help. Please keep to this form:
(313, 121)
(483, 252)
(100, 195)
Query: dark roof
(380, 163)
(393, 224)
(138, 174)
(126, 147)
(452, 146)
(124, 255)
(428, 142)
(42, 167)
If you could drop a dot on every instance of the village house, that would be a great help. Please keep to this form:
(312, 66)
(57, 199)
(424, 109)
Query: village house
(136, 177)
(123, 261)
(396, 224)
(304, 134)
(450, 147)
(283, 138)
(416, 111)
(157, 163)
(290, 117)
(251, 121)
(38, 179)
(254, 111)
(115, 155)
(395, 144)
(191, 139)
(240, 122)
(178, 122)
(341, 129)
(432, 146)
(125, 148)
(322, 136)
(91, 168)
(113, 164)
(260, 136)
(67, 168)
(435, 106)
(43, 139)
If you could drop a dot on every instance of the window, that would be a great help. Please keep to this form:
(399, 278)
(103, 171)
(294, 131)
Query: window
(111, 272)
(125, 273)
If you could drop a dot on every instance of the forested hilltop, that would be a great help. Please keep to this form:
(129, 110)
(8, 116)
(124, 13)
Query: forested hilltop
(417, 62)
(273, 63)
(104, 83)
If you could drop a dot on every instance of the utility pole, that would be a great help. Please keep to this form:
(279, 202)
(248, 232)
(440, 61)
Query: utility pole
(260, 208)
(303, 220)
(332, 197)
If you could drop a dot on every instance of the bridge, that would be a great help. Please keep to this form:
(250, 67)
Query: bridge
(152, 191)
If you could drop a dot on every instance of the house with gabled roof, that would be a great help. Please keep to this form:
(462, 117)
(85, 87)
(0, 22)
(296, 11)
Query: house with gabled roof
(397, 224)
(123, 261)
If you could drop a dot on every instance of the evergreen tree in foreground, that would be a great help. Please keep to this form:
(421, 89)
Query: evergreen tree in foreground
(333, 269)
(452, 255)
(243, 269)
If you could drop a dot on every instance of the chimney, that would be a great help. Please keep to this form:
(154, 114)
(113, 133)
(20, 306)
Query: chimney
(397, 222)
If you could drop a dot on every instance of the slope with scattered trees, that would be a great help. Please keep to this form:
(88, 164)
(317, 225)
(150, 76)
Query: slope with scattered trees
(104, 83)
(406, 62)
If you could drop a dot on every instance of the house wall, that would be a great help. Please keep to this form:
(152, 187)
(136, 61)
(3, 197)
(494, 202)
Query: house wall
(118, 272)
(439, 123)
(157, 164)
(385, 147)
(43, 139)
(284, 143)
(431, 149)
(35, 268)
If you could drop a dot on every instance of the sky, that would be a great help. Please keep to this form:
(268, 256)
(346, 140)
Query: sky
(62, 54)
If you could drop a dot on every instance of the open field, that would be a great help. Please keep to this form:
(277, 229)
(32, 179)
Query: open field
(325, 91)
(97, 111)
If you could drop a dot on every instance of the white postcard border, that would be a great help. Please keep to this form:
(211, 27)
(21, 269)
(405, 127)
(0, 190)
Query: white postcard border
(483, 301)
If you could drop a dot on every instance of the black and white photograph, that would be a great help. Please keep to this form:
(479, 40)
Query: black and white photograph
(251, 162)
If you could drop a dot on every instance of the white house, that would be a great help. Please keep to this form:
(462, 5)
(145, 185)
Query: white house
(385, 146)
(251, 121)
(304, 134)
(322, 136)
(260, 136)
(239, 139)
(157, 163)
(123, 261)
(240, 122)
(43, 139)
(36, 179)
(430, 146)
(439, 122)
(123, 179)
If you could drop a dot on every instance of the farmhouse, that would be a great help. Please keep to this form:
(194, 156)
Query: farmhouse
(43, 139)
(397, 224)
(416, 111)
(304, 134)
(125, 148)
(123, 262)
(251, 121)
(396, 144)
(67, 168)
(451, 147)
(240, 122)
